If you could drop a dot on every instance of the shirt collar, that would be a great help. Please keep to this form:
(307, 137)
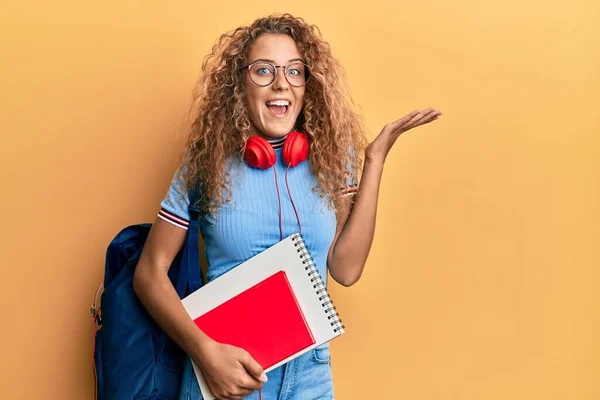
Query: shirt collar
(277, 143)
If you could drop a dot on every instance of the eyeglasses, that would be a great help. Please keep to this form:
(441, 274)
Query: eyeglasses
(263, 73)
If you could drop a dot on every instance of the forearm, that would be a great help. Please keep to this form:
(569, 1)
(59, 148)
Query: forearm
(351, 250)
(157, 294)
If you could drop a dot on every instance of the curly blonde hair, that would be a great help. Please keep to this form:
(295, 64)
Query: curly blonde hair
(221, 124)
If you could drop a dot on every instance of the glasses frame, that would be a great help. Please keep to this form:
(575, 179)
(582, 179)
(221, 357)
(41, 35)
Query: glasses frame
(275, 68)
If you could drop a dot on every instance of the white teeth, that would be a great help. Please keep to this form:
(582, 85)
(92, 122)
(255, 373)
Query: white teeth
(278, 103)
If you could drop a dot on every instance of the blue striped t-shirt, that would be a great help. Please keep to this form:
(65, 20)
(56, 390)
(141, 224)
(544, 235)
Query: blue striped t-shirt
(249, 223)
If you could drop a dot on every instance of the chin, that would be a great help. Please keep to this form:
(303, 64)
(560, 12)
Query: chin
(277, 130)
(275, 127)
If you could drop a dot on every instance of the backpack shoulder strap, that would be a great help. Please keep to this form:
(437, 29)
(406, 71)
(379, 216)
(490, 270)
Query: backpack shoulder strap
(191, 259)
(194, 197)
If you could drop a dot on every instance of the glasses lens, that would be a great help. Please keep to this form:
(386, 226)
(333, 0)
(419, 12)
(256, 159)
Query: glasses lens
(296, 74)
(262, 74)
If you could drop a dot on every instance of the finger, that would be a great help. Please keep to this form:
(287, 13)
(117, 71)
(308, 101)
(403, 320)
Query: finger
(412, 123)
(243, 392)
(425, 120)
(234, 398)
(230, 397)
(433, 113)
(430, 111)
(251, 383)
(253, 367)
(426, 117)
(393, 126)
(411, 120)
(235, 395)
(416, 116)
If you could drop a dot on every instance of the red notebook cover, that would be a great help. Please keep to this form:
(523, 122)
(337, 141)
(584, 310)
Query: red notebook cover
(265, 320)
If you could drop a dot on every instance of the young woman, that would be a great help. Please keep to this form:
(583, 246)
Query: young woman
(267, 90)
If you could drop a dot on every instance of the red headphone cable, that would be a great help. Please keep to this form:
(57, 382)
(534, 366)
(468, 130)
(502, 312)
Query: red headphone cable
(291, 199)
(279, 200)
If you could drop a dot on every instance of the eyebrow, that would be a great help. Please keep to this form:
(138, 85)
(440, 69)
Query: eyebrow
(273, 62)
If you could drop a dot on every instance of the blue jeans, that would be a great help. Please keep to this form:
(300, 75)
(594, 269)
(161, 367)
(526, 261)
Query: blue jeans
(307, 377)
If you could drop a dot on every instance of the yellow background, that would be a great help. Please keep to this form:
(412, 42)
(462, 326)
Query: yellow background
(483, 278)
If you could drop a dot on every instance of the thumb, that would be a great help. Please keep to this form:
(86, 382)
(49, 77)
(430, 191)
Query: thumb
(253, 367)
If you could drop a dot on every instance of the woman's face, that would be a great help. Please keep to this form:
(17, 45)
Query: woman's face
(268, 119)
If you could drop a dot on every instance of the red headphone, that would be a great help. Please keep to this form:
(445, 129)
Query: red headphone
(260, 154)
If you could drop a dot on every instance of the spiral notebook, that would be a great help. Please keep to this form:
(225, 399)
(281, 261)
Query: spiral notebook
(273, 305)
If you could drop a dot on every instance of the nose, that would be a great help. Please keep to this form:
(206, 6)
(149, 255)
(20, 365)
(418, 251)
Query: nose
(280, 82)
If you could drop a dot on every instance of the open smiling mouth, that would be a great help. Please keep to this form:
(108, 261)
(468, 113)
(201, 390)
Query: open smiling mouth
(278, 107)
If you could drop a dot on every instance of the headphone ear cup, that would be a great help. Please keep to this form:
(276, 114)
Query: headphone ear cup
(295, 149)
(259, 153)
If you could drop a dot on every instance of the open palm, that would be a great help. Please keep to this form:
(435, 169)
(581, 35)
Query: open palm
(383, 143)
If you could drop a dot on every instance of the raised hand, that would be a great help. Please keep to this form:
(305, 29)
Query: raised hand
(383, 143)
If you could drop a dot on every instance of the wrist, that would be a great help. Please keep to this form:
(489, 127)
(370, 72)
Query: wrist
(374, 161)
(199, 345)
(373, 155)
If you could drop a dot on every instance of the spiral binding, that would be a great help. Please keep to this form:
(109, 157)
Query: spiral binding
(318, 285)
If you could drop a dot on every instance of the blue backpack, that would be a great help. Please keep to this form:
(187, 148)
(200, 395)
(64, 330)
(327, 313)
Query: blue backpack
(134, 359)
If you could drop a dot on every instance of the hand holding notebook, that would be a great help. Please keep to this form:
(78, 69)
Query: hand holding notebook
(274, 306)
(230, 371)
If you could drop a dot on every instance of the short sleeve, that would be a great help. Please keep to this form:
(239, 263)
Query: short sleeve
(351, 186)
(174, 206)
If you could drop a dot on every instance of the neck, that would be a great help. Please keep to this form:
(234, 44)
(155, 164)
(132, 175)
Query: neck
(277, 142)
